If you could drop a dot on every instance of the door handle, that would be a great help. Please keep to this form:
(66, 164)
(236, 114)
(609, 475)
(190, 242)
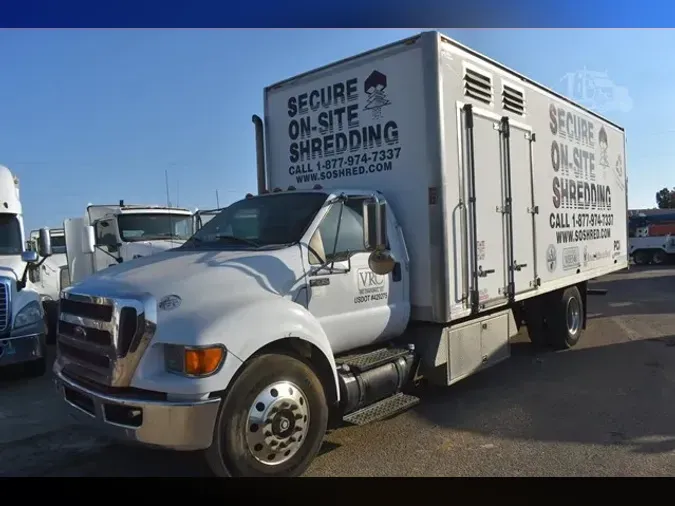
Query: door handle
(319, 282)
(517, 266)
(482, 273)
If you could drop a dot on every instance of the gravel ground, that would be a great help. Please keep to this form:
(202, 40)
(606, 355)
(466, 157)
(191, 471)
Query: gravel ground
(606, 408)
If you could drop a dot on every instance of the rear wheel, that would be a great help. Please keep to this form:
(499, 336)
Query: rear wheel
(566, 318)
(658, 257)
(272, 422)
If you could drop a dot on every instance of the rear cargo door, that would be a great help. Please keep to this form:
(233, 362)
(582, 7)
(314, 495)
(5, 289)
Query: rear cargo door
(519, 159)
(487, 232)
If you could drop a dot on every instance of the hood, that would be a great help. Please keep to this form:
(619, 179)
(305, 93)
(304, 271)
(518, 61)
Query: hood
(202, 278)
(11, 266)
(147, 248)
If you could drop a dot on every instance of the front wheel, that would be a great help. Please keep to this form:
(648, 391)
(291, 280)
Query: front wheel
(35, 368)
(272, 422)
(641, 257)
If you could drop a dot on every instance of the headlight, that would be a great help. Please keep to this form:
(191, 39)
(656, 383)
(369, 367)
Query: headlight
(30, 314)
(193, 361)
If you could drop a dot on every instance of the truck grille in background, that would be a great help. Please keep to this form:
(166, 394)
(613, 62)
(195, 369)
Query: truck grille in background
(95, 338)
(4, 305)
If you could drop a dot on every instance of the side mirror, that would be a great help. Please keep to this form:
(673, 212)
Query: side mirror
(30, 257)
(88, 239)
(45, 243)
(381, 261)
(375, 225)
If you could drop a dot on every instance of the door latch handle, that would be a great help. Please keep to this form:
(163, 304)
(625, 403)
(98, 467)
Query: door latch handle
(517, 266)
(482, 273)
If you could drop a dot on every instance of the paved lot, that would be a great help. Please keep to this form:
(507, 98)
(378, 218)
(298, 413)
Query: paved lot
(606, 408)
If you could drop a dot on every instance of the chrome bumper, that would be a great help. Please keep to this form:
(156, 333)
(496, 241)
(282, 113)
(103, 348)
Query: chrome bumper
(173, 425)
(22, 349)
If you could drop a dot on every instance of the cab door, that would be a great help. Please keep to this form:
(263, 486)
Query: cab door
(354, 306)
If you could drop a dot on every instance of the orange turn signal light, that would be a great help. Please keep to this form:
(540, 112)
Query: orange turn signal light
(203, 361)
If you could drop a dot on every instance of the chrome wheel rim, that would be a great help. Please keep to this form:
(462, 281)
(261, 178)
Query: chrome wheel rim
(277, 424)
(573, 315)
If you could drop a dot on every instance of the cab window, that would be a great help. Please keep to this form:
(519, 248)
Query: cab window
(349, 236)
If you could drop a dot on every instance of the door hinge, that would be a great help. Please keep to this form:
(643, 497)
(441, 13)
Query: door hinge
(531, 136)
(533, 210)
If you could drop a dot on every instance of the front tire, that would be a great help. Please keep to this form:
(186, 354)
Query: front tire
(35, 368)
(272, 421)
(641, 257)
(51, 310)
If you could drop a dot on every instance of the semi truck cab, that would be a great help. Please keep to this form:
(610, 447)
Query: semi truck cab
(122, 233)
(22, 325)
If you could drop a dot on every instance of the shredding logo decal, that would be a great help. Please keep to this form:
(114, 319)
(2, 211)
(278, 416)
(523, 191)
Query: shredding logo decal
(374, 87)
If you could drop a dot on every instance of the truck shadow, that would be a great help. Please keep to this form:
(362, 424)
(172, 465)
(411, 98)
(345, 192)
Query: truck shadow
(619, 394)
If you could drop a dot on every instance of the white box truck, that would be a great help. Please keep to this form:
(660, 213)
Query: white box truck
(416, 204)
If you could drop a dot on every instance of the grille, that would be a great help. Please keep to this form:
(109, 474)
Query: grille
(4, 305)
(102, 339)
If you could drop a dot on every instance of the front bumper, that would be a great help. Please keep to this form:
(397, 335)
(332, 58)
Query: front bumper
(22, 349)
(176, 425)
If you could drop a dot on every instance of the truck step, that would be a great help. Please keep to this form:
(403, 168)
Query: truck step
(382, 409)
(373, 359)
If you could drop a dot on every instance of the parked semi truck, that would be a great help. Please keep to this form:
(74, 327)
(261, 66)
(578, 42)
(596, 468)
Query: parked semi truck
(122, 233)
(49, 278)
(416, 204)
(22, 326)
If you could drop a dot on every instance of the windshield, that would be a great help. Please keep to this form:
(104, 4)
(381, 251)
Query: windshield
(149, 226)
(261, 221)
(10, 235)
(58, 241)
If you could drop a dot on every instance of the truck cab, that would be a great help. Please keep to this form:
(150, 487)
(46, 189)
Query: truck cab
(22, 325)
(122, 233)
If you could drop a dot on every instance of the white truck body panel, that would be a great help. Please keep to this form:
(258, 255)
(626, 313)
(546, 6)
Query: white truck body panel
(48, 281)
(80, 264)
(664, 243)
(393, 119)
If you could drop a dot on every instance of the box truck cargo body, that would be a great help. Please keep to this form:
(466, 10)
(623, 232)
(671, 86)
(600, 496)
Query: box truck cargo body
(417, 204)
(502, 186)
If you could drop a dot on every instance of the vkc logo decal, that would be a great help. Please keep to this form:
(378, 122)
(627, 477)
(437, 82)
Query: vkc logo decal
(368, 279)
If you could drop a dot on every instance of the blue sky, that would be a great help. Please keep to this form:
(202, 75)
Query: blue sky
(99, 115)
